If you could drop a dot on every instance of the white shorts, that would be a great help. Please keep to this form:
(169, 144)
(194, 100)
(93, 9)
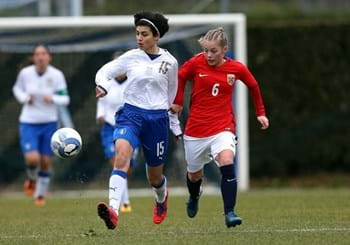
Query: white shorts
(200, 151)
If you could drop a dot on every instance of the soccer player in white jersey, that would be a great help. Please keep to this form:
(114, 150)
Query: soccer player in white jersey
(106, 109)
(40, 88)
(143, 120)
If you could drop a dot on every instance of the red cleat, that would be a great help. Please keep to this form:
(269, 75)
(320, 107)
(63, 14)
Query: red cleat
(109, 216)
(29, 187)
(160, 210)
(39, 201)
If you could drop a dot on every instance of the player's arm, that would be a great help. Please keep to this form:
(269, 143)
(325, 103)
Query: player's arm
(172, 82)
(100, 111)
(185, 74)
(174, 125)
(106, 74)
(254, 90)
(19, 92)
(60, 96)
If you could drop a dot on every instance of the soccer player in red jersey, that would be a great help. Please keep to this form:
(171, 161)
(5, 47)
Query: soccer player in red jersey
(210, 127)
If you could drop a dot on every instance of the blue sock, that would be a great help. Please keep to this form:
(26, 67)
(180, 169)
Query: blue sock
(228, 187)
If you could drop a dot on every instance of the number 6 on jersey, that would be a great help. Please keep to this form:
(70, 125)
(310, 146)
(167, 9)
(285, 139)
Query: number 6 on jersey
(215, 89)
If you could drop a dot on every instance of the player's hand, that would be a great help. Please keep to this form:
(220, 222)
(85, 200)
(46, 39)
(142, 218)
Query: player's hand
(31, 99)
(176, 109)
(101, 120)
(178, 137)
(48, 99)
(100, 92)
(264, 121)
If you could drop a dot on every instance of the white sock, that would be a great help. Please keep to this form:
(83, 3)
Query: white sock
(125, 196)
(42, 185)
(160, 191)
(117, 185)
(32, 172)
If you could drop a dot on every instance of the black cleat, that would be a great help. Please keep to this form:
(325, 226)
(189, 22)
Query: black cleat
(231, 219)
(192, 205)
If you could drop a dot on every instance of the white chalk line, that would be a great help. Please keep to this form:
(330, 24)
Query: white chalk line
(92, 234)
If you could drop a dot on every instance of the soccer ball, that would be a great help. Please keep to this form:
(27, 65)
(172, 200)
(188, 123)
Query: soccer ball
(66, 142)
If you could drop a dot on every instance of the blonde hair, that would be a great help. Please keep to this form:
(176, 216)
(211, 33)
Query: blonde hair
(217, 34)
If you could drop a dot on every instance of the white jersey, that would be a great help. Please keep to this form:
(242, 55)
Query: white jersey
(108, 105)
(152, 83)
(30, 84)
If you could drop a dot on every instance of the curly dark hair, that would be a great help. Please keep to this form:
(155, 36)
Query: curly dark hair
(149, 18)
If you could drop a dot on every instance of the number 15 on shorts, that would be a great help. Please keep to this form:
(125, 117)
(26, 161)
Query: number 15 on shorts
(160, 148)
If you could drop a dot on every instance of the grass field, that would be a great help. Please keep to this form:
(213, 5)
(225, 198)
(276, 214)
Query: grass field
(313, 216)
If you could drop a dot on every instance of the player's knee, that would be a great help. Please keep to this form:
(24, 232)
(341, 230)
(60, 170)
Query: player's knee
(155, 180)
(225, 157)
(32, 158)
(196, 176)
(121, 161)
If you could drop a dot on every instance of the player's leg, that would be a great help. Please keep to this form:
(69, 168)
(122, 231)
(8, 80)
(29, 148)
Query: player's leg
(196, 155)
(125, 135)
(107, 140)
(194, 186)
(44, 174)
(154, 138)
(125, 205)
(29, 144)
(158, 182)
(223, 150)
(32, 160)
(43, 181)
(117, 184)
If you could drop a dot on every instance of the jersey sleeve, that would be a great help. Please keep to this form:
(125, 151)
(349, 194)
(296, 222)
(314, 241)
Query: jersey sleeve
(60, 96)
(185, 74)
(173, 83)
(100, 108)
(249, 80)
(106, 74)
(174, 124)
(19, 91)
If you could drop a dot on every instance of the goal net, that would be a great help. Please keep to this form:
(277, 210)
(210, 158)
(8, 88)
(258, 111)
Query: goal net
(80, 45)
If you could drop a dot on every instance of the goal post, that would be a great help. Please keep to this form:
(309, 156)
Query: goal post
(239, 46)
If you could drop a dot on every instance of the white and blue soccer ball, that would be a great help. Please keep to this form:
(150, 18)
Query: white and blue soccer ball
(66, 142)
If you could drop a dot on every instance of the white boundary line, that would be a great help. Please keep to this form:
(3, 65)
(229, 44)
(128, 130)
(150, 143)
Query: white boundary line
(141, 192)
(87, 234)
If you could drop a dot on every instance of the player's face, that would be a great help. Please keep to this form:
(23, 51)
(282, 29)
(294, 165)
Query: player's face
(213, 52)
(41, 57)
(145, 38)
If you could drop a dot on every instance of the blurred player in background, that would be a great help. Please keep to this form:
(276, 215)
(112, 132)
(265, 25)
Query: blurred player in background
(106, 109)
(210, 126)
(40, 88)
(143, 120)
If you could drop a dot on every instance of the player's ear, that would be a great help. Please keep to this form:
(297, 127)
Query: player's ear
(156, 37)
(225, 48)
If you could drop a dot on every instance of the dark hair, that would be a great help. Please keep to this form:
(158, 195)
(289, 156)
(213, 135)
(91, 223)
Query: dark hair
(156, 21)
(41, 45)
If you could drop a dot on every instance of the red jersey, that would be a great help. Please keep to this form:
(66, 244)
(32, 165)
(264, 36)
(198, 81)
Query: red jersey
(211, 109)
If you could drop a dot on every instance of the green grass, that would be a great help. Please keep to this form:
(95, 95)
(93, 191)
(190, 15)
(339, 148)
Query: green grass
(313, 216)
